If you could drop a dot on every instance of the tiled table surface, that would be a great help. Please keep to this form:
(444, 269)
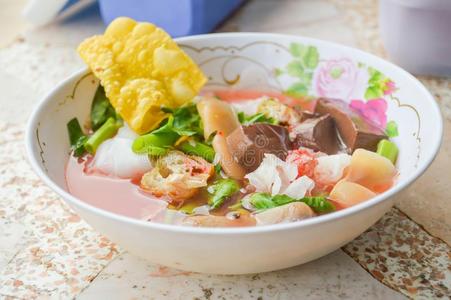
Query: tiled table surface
(47, 251)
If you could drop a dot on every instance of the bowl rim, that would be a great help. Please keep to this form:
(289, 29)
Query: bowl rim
(74, 201)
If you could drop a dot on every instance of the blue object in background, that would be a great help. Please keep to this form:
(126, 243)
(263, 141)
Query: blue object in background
(177, 17)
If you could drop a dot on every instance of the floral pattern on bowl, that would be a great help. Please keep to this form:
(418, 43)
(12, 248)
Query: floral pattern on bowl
(364, 88)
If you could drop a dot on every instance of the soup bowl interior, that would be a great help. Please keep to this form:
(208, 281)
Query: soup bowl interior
(301, 68)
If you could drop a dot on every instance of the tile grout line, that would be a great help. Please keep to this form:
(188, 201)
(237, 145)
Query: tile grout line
(348, 253)
(96, 275)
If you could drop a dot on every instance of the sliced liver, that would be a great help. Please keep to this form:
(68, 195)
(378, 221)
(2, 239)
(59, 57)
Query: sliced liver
(307, 115)
(355, 130)
(304, 114)
(248, 144)
(317, 133)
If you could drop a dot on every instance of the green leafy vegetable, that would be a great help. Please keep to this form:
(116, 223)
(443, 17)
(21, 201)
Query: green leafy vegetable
(282, 199)
(157, 142)
(193, 147)
(104, 121)
(75, 131)
(218, 168)
(257, 118)
(183, 121)
(387, 149)
(319, 204)
(101, 109)
(220, 190)
(76, 137)
(106, 131)
(186, 120)
(262, 201)
(79, 147)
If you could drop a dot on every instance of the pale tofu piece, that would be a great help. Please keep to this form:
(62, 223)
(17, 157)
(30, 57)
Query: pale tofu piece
(284, 214)
(371, 170)
(346, 194)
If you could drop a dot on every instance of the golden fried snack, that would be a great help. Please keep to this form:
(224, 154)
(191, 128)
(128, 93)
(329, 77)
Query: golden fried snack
(142, 69)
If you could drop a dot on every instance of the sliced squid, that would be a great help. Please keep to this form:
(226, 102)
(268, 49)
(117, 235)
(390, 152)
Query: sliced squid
(286, 213)
(331, 168)
(276, 176)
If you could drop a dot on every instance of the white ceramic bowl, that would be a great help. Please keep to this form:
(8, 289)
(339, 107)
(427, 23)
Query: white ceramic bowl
(251, 60)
